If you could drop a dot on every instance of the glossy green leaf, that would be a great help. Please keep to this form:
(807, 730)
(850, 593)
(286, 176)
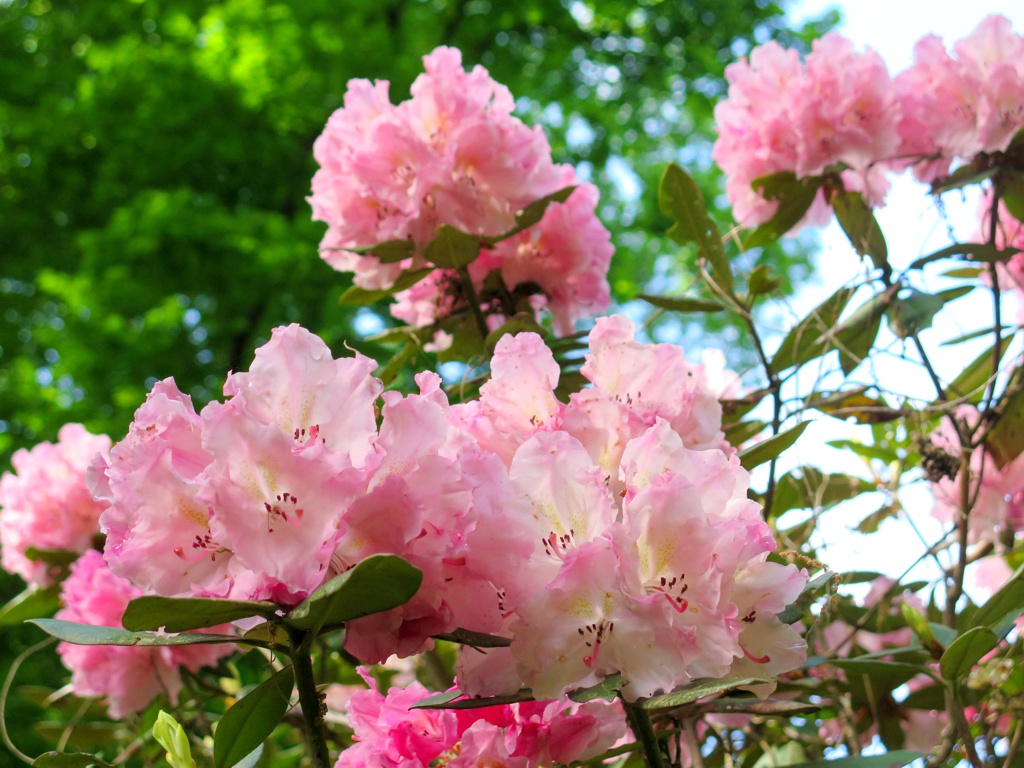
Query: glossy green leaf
(83, 634)
(894, 759)
(378, 583)
(388, 252)
(532, 214)
(447, 700)
(855, 336)
(683, 303)
(475, 639)
(168, 733)
(30, 604)
(1006, 600)
(966, 651)
(698, 690)
(858, 222)
(680, 198)
(607, 690)
(69, 760)
(451, 249)
(251, 719)
(794, 196)
(771, 448)
(355, 296)
(51, 556)
(739, 433)
(799, 345)
(179, 614)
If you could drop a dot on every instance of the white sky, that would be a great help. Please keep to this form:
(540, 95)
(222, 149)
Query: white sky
(912, 228)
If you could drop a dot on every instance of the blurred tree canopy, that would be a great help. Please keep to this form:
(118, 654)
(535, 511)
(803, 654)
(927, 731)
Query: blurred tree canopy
(155, 155)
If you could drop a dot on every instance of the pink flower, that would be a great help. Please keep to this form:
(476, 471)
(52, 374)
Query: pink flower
(389, 733)
(454, 155)
(45, 503)
(955, 106)
(837, 108)
(128, 677)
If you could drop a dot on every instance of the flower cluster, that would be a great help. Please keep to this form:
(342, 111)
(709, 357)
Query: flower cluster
(586, 530)
(389, 733)
(842, 110)
(45, 504)
(453, 154)
(127, 676)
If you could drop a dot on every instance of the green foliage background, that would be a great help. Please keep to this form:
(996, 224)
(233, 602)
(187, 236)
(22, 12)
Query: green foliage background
(155, 156)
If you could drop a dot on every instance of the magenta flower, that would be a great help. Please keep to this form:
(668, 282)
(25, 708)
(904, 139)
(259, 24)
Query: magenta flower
(45, 503)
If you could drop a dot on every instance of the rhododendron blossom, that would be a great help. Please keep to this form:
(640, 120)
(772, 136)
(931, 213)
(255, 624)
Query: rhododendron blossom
(957, 105)
(45, 504)
(389, 733)
(453, 154)
(838, 107)
(127, 677)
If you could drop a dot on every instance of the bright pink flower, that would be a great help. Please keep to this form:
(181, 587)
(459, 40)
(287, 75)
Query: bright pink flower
(45, 503)
(837, 108)
(128, 677)
(955, 106)
(389, 733)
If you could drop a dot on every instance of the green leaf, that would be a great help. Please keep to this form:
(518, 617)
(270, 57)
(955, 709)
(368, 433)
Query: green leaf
(914, 313)
(30, 604)
(1006, 439)
(83, 634)
(929, 697)
(52, 556)
(355, 296)
(980, 251)
(966, 651)
(451, 249)
(965, 175)
(919, 623)
(969, 336)
(894, 759)
(251, 719)
(698, 690)
(683, 303)
(447, 700)
(168, 733)
(378, 583)
(791, 614)
(178, 614)
(739, 433)
(475, 639)
(893, 673)
(769, 449)
(680, 199)
(855, 336)
(607, 690)
(858, 222)
(388, 252)
(532, 214)
(762, 281)
(1011, 187)
(1007, 599)
(734, 410)
(969, 273)
(794, 196)
(853, 404)
(871, 523)
(799, 345)
(970, 384)
(69, 760)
